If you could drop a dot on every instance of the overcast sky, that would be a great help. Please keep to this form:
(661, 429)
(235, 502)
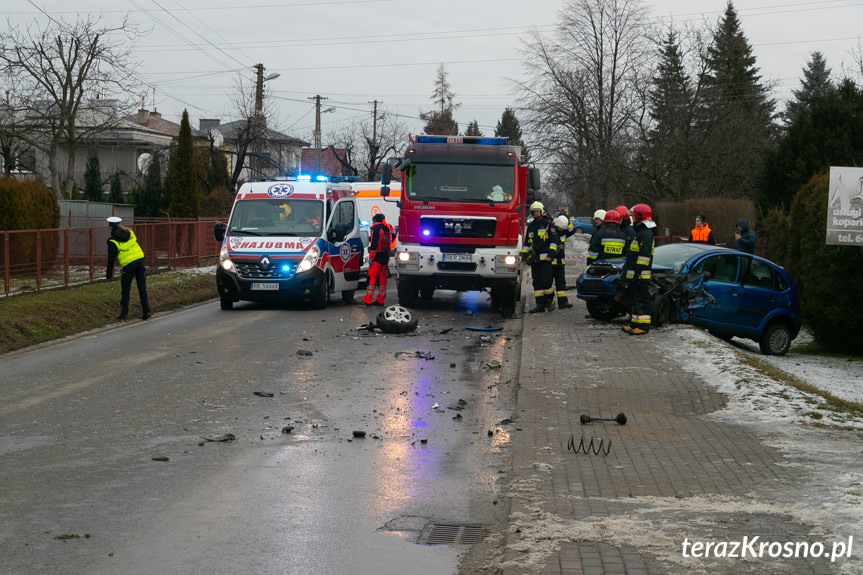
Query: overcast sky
(353, 52)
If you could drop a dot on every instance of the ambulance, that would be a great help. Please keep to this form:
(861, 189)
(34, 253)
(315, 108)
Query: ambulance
(290, 241)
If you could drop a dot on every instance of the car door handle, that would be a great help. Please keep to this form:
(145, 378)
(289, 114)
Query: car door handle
(734, 292)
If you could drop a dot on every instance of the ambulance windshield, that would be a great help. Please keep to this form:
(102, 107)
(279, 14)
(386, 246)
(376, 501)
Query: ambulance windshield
(287, 217)
(460, 182)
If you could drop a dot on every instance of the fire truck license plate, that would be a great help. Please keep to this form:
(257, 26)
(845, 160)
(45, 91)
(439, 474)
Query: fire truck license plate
(265, 286)
(457, 258)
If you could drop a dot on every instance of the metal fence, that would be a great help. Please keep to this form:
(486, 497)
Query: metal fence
(43, 259)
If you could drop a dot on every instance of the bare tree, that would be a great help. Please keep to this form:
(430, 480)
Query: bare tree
(585, 94)
(368, 143)
(57, 69)
(254, 136)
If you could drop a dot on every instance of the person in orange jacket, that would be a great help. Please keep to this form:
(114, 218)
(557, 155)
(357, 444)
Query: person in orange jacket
(701, 233)
(379, 254)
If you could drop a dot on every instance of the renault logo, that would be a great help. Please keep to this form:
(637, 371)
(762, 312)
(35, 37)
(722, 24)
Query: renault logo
(264, 263)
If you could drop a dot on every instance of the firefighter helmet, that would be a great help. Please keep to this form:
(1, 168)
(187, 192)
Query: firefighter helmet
(537, 206)
(641, 213)
(612, 216)
(623, 211)
(561, 222)
(599, 215)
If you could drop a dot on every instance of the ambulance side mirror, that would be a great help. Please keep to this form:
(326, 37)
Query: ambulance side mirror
(219, 231)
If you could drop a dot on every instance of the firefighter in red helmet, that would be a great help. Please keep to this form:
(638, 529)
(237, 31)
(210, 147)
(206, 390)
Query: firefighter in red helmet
(637, 270)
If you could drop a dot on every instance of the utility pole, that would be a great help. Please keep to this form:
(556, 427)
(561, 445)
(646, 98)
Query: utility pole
(374, 145)
(259, 90)
(317, 100)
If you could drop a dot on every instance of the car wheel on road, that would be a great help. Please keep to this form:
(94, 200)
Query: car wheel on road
(661, 311)
(396, 319)
(226, 303)
(776, 339)
(600, 311)
(579, 230)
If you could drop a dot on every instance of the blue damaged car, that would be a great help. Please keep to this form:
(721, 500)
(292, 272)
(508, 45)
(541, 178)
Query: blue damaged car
(728, 292)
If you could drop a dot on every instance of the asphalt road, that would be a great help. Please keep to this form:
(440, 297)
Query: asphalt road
(111, 459)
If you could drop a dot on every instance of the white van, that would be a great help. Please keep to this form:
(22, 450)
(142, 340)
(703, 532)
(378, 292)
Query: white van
(288, 241)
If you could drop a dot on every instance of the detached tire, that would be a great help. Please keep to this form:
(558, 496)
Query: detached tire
(776, 339)
(396, 319)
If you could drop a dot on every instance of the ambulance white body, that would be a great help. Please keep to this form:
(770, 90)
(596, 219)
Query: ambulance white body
(290, 241)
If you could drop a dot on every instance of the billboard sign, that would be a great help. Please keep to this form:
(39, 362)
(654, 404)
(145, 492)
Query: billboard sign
(845, 207)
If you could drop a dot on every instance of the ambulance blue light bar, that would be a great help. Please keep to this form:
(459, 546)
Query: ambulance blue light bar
(461, 140)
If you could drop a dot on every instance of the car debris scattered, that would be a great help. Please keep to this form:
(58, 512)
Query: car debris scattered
(220, 439)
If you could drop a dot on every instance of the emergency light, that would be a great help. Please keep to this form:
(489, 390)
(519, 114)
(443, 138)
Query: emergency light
(304, 178)
(482, 141)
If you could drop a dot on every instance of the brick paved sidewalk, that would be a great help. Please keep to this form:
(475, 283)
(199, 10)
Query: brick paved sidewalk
(672, 474)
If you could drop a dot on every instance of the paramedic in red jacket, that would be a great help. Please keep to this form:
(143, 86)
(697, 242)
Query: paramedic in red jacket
(379, 254)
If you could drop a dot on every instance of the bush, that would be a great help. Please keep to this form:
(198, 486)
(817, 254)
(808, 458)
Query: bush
(828, 277)
(29, 206)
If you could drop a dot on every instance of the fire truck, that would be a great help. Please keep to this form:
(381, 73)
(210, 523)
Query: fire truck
(462, 217)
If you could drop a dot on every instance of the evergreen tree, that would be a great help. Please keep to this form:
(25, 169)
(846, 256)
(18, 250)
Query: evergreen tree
(831, 133)
(116, 194)
(150, 197)
(93, 177)
(735, 115)
(440, 121)
(508, 127)
(473, 129)
(815, 84)
(183, 190)
(666, 156)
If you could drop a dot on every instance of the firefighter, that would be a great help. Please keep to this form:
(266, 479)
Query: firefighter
(637, 270)
(626, 226)
(123, 247)
(609, 242)
(598, 219)
(379, 254)
(564, 229)
(538, 251)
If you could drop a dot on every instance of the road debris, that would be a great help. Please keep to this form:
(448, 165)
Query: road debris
(263, 393)
(220, 439)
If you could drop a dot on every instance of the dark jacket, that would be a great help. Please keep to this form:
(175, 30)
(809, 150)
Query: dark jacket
(746, 241)
(608, 243)
(639, 259)
(541, 238)
(379, 242)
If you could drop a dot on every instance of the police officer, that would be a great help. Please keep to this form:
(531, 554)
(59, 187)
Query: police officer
(123, 247)
(379, 253)
(609, 242)
(539, 249)
(637, 270)
(564, 229)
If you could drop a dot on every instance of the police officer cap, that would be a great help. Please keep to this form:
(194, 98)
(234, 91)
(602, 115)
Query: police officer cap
(114, 220)
(378, 218)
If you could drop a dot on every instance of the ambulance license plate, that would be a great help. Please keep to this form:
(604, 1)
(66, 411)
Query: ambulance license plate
(457, 258)
(268, 286)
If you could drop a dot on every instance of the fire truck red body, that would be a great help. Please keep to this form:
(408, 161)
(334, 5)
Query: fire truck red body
(462, 217)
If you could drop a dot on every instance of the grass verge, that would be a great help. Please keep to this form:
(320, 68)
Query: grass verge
(43, 316)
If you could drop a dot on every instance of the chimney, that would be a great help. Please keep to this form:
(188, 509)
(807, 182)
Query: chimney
(143, 116)
(205, 125)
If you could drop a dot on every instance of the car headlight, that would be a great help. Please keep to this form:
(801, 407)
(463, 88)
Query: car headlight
(224, 259)
(310, 260)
